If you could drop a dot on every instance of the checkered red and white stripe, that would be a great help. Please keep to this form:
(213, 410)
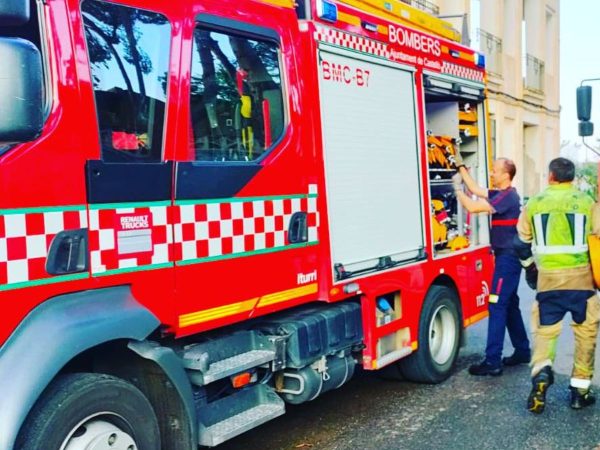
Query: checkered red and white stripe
(462, 72)
(351, 41)
(211, 230)
(25, 239)
(104, 254)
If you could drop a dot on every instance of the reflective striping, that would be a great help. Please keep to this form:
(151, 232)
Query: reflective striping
(282, 3)
(349, 19)
(462, 72)
(540, 233)
(351, 41)
(561, 249)
(580, 383)
(527, 262)
(231, 228)
(290, 294)
(25, 238)
(579, 232)
(186, 320)
(220, 312)
(475, 318)
(107, 254)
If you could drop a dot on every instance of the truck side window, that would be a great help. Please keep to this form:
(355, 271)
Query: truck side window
(236, 101)
(128, 50)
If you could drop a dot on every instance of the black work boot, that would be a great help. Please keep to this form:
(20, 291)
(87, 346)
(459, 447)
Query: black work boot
(485, 368)
(541, 382)
(580, 398)
(516, 359)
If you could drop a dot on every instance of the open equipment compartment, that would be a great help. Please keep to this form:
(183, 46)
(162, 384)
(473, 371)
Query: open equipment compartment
(455, 124)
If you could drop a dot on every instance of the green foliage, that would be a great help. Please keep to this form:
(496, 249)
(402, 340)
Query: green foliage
(586, 178)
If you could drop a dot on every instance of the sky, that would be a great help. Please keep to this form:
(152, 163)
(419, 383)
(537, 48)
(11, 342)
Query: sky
(579, 59)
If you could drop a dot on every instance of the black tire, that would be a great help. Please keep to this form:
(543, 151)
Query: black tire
(76, 408)
(439, 339)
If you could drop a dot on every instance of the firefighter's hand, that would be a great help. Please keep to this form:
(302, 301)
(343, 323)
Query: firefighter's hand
(531, 276)
(457, 182)
(455, 159)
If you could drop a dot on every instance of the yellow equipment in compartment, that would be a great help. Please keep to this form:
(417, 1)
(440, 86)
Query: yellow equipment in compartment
(438, 219)
(439, 148)
(458, 243)
(467, 121)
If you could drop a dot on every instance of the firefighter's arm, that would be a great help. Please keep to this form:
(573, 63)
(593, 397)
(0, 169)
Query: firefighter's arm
(522, 244)
(472, 205)
(471, 183)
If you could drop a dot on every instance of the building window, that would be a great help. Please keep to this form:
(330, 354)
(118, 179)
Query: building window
(236, 96)
(491, 47)
(534, 74)
(128, 50)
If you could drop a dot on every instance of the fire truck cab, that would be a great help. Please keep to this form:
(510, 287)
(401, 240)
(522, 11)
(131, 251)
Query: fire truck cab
(209, 209)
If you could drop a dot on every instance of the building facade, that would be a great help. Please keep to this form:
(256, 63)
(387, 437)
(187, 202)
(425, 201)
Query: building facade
(520, 40)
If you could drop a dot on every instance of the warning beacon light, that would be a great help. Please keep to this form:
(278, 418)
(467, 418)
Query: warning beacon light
(327, 10)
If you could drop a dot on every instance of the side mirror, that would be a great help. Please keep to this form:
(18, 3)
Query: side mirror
(21, 91)
(584, 110)
(14, 12)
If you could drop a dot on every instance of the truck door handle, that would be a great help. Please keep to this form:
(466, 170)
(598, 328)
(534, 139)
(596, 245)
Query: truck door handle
(68, 252)
(298, 229)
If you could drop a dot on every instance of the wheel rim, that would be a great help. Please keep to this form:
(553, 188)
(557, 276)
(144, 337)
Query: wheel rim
(442, 335)
(99, 432)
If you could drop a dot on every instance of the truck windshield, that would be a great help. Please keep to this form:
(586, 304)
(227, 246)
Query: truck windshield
(129, 55)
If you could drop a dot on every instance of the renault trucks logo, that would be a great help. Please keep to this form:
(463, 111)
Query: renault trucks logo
(414, 40)
(133, 234)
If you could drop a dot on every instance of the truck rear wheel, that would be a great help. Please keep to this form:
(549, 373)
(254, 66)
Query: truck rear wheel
(90, 411)
(439, 338)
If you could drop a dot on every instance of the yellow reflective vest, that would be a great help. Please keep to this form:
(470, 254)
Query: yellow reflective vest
(561, 219)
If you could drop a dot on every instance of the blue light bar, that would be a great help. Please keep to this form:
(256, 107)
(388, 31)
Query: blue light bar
(327, 10)
(479, 59)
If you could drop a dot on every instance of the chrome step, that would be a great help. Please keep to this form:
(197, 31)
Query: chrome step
(236, 364)
(238, 413)
(216, 359)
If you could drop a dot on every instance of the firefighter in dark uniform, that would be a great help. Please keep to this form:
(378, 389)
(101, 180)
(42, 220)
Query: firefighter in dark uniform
(556, 223)
(503, 203)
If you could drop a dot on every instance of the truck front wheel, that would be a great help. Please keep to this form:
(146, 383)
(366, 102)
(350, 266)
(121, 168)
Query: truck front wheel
(439, 338)
(90, 411)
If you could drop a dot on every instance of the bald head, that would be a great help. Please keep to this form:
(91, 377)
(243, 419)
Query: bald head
(508, 166)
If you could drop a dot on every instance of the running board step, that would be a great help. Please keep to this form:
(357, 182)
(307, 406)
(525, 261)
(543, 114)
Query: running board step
(235, 364)
(221, 357)
(238, 413)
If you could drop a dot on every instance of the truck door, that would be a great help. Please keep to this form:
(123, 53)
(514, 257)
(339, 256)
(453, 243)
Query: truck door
(129, 186)
(245, 210)
(372, 171)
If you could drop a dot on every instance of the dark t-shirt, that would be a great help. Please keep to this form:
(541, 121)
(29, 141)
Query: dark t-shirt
(507, 207)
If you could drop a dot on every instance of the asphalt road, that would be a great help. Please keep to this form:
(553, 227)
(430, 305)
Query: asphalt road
(464, 412)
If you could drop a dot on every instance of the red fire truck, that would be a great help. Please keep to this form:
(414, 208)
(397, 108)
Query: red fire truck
(209, 209)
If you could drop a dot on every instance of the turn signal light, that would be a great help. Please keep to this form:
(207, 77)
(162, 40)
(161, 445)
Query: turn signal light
(241, 379)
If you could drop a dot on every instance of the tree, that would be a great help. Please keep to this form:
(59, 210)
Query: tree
(586, 178)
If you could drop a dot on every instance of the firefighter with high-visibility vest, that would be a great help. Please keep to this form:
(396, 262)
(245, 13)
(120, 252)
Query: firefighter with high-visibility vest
(555, 224)
(503, 203)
